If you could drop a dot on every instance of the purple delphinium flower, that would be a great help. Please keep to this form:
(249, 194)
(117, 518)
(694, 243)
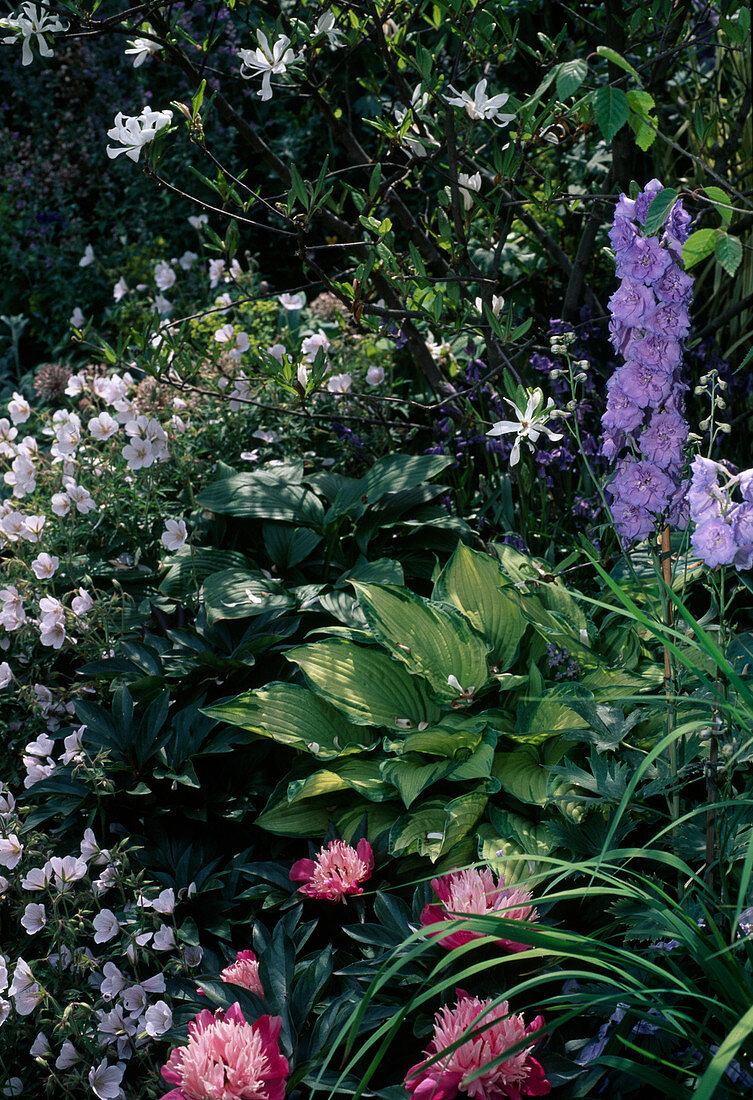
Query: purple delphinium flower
(723, 527)
(714, 542)
(644, 425)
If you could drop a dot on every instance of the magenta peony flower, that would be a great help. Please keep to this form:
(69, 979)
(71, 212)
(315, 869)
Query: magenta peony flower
(228, 1059)
(337, 870)
(515, 1077)
(475, 893)
(244, 971)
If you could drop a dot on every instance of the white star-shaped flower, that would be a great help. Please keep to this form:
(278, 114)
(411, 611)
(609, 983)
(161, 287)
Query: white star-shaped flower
(530, 423)
(480, 105)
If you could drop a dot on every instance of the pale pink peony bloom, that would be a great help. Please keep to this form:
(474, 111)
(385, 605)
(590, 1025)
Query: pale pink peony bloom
(474, 892)
(228, 1059)
(511, 1079)
(337, 870)
(244, 971)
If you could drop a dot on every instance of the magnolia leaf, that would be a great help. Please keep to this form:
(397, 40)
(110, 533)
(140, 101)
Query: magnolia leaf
(365, 684)
(475, 584)
(431, 640)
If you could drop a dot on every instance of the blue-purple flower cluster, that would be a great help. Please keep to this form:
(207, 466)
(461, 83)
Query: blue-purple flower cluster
(723, 527)
(645, 405)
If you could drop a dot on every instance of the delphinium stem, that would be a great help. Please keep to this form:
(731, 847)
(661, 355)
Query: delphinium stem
(666, 569)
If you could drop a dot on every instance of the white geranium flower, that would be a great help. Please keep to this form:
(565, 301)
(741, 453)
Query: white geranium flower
(77, 320)
(68, 1056)
(19, 409)
(164, 276)
(134, 133)
(266, 60)
(81, 604)
(5, 674)
(292, 301)
(106, 925)
(45, 566)
(480, 105)
(375, 376)
(158, 1019)
(30, 22)
(23, 989)
(187, 260)
(162, 305)
(216, 270)
(175, 534)
(224, 335)
(197, 220)
(242, 344)
(340, 383)
(104, 1080)
(138, 453)
(141, 48)
(310, 346)
(34, 918)
(120, 289)
(88, 257)
(530, 423)
(277, 351)
(11, 850)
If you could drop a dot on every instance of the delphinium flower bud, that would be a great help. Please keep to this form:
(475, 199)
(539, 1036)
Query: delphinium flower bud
(645, 430)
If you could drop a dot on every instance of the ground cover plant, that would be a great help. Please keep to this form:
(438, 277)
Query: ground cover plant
(376, 525)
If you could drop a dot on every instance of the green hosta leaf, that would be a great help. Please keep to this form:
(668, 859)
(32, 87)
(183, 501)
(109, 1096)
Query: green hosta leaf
(517, 838)
(618, 60)
(570, 76)
(659, 209)
(392, 474)
(729, 252)
(431, 640)
(456, 735)
(303, 819)
(538, 719)
(411, 775)
(474, 583)
(379, 816)
(259, 495)
(698, 246)
(434, 828)
(294, 716)
(362, 776)
(188, 567)
(238, 594)
(365, 684)
(611, 110)
(288, 546)
(524, 772)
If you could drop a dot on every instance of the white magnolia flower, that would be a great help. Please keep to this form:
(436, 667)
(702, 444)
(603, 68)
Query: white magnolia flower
(375, 376)
(164, 276)
(141, 48)
(325, 25)
(174, 535)
(120, 289)
(416, 138)
(134, 133)
(441, 349)
(530, 423)
(45, 566)
(466, 185)
(34, 918)
(480, 105)
(497, 304)
(30, 22)
(88, 257)
(76, 320)
(292, 301)
(302, 375)
(266, 60)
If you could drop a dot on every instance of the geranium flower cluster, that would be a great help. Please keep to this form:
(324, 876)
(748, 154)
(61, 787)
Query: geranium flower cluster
(723, 532)
(645, 404)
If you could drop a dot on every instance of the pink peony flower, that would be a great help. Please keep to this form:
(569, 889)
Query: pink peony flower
(512, 1079)
(244, 971)
(228, 1059)
(337, 870)
(475, 893)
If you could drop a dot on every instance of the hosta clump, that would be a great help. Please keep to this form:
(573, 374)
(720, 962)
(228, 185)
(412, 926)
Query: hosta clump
(431, 715)
(645, 406)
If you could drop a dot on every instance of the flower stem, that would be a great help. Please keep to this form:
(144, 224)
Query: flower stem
(666, 569)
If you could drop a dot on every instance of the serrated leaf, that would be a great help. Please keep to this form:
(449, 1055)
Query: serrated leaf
(475, 584)
(641, 102)
(618, 60)
(431, 640)
(659, 209)
(699, 246)
(644, 130)
(570, 76)
(718, 196)
(729, 252)
(365, 684)
(611, 110)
